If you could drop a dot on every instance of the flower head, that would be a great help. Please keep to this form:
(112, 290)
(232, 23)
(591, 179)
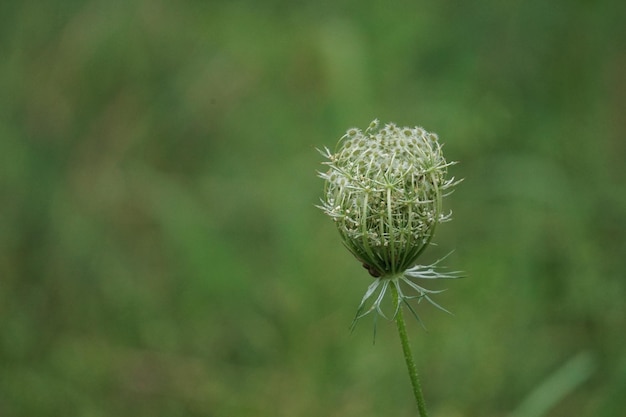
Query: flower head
(384, 190)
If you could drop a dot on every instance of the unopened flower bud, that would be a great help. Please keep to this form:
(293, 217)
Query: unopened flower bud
(384, 190)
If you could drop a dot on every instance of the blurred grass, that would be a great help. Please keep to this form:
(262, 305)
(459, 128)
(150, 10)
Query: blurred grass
(160, 253)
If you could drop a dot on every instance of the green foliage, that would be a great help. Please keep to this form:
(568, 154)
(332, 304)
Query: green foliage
(160, 252)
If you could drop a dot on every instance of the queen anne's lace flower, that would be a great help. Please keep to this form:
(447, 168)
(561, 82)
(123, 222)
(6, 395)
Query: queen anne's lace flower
(384, 190)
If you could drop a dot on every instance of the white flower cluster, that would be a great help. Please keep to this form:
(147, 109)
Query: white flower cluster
(384, 188)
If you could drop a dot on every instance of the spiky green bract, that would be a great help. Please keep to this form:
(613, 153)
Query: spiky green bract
(407, 280)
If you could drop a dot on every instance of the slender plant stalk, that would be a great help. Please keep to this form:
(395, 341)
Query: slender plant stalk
(406, 348)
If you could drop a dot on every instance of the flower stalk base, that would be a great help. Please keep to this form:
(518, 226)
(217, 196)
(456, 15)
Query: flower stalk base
(406, 348)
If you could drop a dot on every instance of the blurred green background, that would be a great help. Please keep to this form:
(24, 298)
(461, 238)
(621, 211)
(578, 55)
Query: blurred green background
(161, 255)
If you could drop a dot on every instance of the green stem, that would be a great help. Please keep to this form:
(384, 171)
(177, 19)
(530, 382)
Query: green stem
(406, 348)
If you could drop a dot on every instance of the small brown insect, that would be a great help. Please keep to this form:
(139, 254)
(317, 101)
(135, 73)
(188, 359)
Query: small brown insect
(373, 271)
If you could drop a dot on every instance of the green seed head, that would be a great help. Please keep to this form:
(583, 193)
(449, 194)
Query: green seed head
(384, 190)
